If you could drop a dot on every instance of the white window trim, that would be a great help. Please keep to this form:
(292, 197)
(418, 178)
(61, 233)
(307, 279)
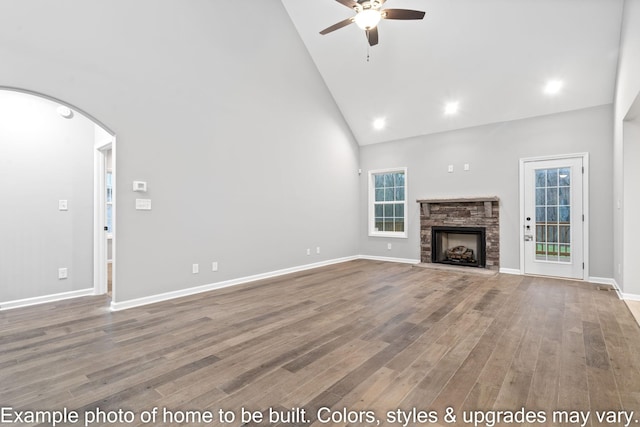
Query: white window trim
(371, 226)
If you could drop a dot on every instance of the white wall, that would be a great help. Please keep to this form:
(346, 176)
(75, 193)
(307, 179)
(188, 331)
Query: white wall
(493, 152)
(218, 106)
(44, 158)
(631, 207)
(625, 153)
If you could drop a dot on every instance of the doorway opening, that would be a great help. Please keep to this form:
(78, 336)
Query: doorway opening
(68, 159)
(104, 216)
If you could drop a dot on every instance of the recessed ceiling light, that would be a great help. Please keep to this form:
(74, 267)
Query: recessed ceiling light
(451, 108)
(553, 87)
(379, 124)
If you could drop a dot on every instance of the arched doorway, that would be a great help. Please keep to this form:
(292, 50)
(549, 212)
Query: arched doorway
(57, 173)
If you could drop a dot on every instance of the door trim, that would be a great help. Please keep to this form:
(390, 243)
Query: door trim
(99, 219)
(585, 205)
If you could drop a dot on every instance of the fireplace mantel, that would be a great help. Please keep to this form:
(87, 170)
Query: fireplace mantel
(426, 211)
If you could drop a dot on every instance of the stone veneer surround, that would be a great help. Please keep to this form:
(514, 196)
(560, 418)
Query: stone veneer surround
(462, 212)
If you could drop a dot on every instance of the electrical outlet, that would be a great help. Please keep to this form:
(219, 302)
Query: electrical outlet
(450, 169)
(308, 251)
(389, 246)
(63, 205)
(214, 266)
(466, 166)
(317, 249)
(63, 273)
(195, 268)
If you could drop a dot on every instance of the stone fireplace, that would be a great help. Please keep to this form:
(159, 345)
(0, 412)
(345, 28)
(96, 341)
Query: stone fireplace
(461, 231)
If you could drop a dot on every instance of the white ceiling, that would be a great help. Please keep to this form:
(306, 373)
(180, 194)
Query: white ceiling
(492, 56)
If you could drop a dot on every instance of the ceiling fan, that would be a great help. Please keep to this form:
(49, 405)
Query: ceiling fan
(368, 14)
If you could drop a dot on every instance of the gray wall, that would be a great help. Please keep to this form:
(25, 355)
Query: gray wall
(493, 153)
(631, 272)
(44, 158)
(222, 112)
(248, 160)
(626, 152)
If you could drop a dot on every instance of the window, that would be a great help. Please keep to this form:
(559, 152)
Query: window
(109, 201)
(553, 214)
(387, 203)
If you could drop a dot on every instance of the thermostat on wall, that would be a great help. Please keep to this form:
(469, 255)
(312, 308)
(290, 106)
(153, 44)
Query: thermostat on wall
(139, 186)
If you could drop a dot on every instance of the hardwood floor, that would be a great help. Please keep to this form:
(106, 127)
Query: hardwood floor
(362, 335)
(634, 307)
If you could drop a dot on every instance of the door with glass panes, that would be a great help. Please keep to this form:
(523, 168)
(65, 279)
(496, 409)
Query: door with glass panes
(553, 218)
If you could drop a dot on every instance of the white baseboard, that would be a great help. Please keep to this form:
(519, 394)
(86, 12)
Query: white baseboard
(389, 259)
(606, 281)
(511, 271)
(617, 288)
(117, 306)
(602, 281)
(591, 279)
(631, 297)
(8, 305)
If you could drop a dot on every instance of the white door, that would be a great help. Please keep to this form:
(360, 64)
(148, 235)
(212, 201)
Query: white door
(104, 220)
(108, 214)
(553, 218)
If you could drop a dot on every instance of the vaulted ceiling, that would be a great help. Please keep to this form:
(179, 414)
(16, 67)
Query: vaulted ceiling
(492, 57)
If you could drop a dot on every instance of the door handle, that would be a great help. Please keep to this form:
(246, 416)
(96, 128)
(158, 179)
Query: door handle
(528, 237)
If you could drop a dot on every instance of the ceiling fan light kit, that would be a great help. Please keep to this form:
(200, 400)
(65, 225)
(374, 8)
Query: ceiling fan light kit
(369, 14)
(368, 19)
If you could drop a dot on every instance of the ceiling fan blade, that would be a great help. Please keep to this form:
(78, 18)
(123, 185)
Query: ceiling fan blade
(349, 3)
(372, 36)
(337, 26)
(402, 14)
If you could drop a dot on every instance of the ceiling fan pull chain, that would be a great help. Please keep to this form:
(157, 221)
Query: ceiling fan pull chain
(368, 44)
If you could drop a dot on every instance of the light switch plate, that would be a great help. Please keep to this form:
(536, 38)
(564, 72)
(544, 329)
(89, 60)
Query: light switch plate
(143, 204)
(63, 205)
(450, 168)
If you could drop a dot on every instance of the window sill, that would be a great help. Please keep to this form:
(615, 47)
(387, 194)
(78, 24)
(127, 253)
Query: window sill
(389, 234)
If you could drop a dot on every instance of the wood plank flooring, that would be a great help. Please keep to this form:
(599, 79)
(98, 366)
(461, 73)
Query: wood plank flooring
(363, 337)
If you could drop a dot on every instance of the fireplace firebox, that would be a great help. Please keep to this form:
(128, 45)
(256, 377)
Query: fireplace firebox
(464, 246)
